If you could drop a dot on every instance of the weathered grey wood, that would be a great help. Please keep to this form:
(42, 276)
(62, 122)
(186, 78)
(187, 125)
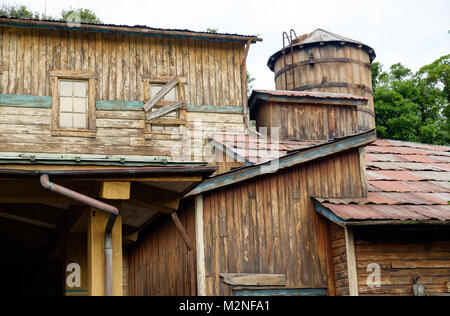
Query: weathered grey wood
(351, 262)
(200, 246)
(161, 94)
(254, 279)
(164, 111)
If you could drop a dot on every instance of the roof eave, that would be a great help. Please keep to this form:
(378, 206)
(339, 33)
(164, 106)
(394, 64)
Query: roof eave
(132, 30)
(328, 214)
(293, 159)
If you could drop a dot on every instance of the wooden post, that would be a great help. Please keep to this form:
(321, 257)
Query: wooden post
(96, 254)
(199, 230)
(363, 171)
(351, 262)
(244, 85)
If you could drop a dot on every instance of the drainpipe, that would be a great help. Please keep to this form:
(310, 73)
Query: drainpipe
(109, 209)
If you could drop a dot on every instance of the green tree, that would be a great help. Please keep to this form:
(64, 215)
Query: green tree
(413, 107)
(18, 12)
(80, 15)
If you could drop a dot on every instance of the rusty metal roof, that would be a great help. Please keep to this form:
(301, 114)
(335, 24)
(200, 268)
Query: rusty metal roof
(406, 182)
(257, 149)
(136, 30)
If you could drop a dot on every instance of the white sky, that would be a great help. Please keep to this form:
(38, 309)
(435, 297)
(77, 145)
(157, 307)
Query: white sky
(414, 32)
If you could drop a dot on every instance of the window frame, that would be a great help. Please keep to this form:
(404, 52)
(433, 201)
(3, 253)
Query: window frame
(180, 122)
(90, 77)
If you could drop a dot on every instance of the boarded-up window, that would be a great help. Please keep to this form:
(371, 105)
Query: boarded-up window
(172, 96)
(171, 124)
(73, 104)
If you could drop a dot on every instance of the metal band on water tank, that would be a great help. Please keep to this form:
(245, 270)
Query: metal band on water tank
(335, 85)
(322, 61)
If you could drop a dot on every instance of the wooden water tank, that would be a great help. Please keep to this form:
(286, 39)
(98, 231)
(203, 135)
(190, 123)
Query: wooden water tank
(326, 62)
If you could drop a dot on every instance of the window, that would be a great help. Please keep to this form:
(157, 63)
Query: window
(73, 104)
(172, 123)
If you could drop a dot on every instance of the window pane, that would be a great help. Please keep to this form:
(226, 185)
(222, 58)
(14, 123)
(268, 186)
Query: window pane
(80, 105)
(172, 95)
(79, 120)
(65, 88)
(65, 104)
(66, 120)
(154, 89)
(80, 89)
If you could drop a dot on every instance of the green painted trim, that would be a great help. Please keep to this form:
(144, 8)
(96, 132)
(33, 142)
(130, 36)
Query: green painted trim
(118, 105)
(77, 291)
(31, 101)
(215, 109)
(281, 292)
(45, 102)
(322, 210)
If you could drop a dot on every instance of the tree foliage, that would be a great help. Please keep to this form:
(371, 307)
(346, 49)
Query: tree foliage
(413, 106)
(18, 12)
(80, 15)
(71, 15)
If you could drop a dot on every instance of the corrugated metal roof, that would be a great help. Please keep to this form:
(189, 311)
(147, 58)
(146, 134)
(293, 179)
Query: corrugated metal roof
(257, 149)
(421, 213)
(137, 29)
(320, 35)
(406, 182)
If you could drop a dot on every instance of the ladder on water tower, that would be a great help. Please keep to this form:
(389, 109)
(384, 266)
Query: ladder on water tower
(289, 72)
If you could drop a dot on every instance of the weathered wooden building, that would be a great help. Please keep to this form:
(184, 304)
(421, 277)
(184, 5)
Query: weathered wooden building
(128, 167)
(111, 113)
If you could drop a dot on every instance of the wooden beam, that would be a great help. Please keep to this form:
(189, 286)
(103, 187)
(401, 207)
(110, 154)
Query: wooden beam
(190, 254)
(164, 111)
(27, 220)
(351, 262)
(182, 231)
(243, 279)
(132, 237)
(96, 254)
(200, 246)
(115, 190)
(161, 94)
(159, 198)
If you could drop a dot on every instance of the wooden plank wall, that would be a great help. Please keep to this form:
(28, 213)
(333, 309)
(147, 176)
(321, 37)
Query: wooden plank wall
(268, 225)
(337, 239)
(118, 133)
(212, 69)
(404, 255)
(309, 121)
(159, 261)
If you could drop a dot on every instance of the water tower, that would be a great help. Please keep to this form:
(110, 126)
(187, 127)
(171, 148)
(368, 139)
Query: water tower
(326, 62)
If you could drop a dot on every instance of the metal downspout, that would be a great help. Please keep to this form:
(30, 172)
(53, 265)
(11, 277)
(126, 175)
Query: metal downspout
(109, 209)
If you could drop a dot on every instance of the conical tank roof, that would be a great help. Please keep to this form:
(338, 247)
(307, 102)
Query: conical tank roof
(319, 37)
